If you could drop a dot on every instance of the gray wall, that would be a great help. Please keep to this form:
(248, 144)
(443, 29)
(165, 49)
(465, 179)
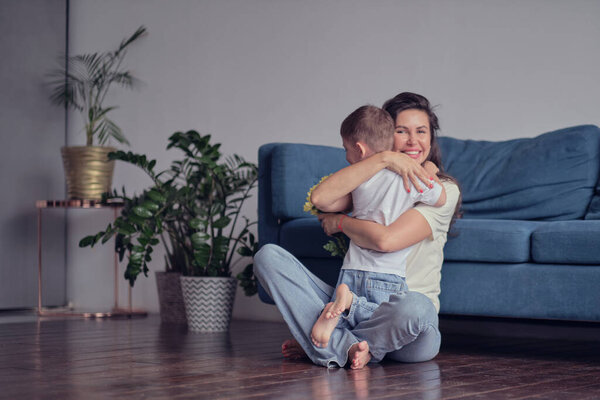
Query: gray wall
(256, 71)
(32, 36)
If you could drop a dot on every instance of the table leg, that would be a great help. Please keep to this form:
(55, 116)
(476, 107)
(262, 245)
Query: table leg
(116, 262)
(39, 240)
(116, 312)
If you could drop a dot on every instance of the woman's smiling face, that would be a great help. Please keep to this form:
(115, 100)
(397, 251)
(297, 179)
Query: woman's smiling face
(413, 135)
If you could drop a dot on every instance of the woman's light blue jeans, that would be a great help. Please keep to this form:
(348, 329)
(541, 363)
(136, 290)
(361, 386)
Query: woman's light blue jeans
(396, 323)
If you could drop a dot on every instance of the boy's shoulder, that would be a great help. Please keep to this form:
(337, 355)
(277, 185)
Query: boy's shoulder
(387, 175)
(389, 178)
(383, 177)
(384, 184)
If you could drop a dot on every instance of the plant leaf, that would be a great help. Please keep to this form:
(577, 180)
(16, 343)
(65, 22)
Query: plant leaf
(222, 222)
(87, 241)
(148, 205)
(142, 212)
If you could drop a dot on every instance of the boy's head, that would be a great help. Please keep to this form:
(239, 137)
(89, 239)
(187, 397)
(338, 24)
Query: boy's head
(366, 131)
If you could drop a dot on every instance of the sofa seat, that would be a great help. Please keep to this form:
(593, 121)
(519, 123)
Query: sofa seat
(582, 238)
(523, 290)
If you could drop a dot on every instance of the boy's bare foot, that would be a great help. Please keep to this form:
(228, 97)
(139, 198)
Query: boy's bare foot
(327, 321)
(359, 355)
(342, 302)
(322, 329)
(291, 349)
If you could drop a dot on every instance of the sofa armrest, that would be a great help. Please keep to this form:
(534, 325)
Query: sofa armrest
(268, 225)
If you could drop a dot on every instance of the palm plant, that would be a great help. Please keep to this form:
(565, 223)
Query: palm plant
(193, 208)
(85, 81)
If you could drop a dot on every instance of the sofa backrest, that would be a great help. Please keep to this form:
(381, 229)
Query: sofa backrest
(295, 169)
(549, 177)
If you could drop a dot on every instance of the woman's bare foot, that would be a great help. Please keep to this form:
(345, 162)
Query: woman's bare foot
(327, 321)
(291, 349)
(359, 355)
(342, 302)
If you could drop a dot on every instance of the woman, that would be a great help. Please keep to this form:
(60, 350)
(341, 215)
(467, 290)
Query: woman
(406, 327)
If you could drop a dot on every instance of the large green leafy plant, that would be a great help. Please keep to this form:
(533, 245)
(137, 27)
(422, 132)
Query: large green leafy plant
(84, 82)
(193, 208)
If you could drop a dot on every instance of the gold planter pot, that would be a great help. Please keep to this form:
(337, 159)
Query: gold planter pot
(88, 171)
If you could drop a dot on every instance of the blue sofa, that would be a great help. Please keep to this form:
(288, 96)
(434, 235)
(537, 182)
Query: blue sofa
(528, 245)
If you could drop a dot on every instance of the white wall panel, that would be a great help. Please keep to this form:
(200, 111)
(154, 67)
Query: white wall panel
(256, 71)
(32, 37)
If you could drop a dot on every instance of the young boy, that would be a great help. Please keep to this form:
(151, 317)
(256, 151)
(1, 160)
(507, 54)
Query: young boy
(382, 199)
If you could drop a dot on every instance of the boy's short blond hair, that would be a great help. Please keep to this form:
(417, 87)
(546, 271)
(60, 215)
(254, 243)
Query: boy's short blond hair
(370, 125)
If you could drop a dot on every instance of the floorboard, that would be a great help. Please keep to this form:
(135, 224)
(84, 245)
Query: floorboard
(142, 359)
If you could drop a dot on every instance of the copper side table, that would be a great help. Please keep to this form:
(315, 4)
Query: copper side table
(117, 311)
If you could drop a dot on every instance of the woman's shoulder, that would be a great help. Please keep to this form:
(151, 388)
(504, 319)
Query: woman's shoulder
(442, 214)
(452, 191)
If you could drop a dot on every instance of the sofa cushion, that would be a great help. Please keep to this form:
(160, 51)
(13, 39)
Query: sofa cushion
(548, 177)
(470, 240)
(567, 242)
(480, 240)
(295, 169)
(593, 211)
(304, 237)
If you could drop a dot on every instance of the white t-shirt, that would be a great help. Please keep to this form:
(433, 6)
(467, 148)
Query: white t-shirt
(383, 199)
(424, 263)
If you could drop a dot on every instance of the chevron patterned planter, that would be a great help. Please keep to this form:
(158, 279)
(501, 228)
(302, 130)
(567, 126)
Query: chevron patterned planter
(208, 302)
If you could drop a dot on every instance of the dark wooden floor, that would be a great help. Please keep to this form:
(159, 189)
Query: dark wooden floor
(139, 358)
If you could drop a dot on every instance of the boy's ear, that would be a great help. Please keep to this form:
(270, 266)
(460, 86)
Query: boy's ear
(362, 149)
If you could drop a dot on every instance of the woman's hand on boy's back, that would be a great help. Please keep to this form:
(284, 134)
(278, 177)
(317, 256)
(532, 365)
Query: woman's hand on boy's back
(409, 169)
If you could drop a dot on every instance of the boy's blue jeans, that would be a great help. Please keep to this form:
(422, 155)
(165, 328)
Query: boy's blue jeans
(396, 323)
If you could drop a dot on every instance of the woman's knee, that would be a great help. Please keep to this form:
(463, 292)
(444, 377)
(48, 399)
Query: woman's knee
(414, 308)
(424, 348)
(272, 259)
(263, 259)
(264, 253)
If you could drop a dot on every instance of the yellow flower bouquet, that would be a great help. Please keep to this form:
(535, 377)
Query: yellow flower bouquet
(338, 247)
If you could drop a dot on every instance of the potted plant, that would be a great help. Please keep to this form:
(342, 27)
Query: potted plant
(194, 209)
(82, 85)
